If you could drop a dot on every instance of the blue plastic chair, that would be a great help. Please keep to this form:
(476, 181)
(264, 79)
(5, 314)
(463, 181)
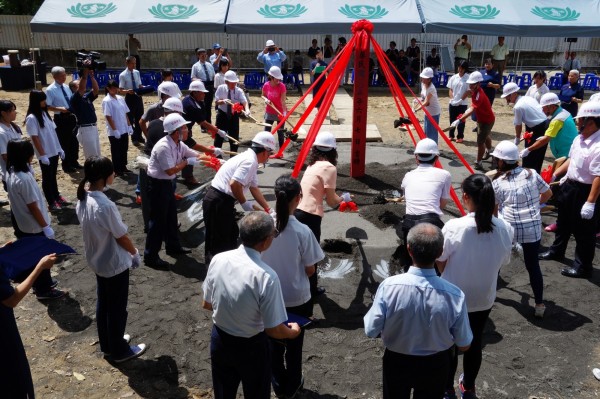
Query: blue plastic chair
(524, 81)
(556, 81)
(588, 81)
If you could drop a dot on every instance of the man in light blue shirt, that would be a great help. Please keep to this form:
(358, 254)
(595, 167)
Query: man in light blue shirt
(271, 56)
(129, 82)
(419, 317)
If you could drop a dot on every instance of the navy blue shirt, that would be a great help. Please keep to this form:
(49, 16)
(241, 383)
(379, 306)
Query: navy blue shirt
(194, 111)
(567, 92)
(83, 107)
(490, 76)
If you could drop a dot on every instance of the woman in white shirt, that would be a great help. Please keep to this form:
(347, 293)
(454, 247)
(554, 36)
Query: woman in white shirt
(490, 243)
(538, 88)
(118, 126)
(220, 75)
(8, 131)
(293, 255)
(42, 131)
(429, 101)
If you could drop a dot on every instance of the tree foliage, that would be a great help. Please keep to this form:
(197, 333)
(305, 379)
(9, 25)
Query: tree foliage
(20, 7)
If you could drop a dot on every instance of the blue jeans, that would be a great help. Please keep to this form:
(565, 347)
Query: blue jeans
(530, 253)
(111, 313)
(431, 129)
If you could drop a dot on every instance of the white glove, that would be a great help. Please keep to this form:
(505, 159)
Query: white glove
(455, 123)
(587, 210)
(217, 152)
(561, 181)
(247, 114)
(248, 206)
(117, 135)
(524, 153)
(48, 232)
(61, 154)
(192, 161)
(517, 141)
(221, 161)
(553, 179)
(44, 159)
(222, 133)
(273, 214)
(346, 197)
(129, 130)
(136, 260)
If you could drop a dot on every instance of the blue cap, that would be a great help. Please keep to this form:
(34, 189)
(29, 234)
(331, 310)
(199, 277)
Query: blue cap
(216, 45)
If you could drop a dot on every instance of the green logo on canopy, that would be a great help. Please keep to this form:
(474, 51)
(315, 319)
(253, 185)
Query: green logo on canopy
(555, 14)
(91, 10)
(363, 12)
(282, 11)
(172, 11)
(475, 12)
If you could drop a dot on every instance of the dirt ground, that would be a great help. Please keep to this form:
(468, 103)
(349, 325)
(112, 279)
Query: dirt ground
(523, 357)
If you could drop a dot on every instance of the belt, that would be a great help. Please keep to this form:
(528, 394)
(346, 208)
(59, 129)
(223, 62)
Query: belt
(86, 125)
(429, 215)
(578, 183)
(63, 115)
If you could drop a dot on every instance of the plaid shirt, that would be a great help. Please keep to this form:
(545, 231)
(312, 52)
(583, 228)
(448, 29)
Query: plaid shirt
(518, 199)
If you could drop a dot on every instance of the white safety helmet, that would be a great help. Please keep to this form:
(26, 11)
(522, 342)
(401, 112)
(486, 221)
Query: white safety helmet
(264, 140)
(507, 151)
(475, 77)
(325, 141)
(549, 99)
(174, 105)
(509, 88)
(173, 122)
(591, 109)
(269, 43)
(170, 89)
(230, 76)
(427, 73)
(426, 150)
(595, 97)
(275, 71)
(197, 85)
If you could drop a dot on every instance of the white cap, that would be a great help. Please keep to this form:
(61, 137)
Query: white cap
(264, 140)
(275, 71)
(173, 122)
(475, 77)
(170, 89)
(509, 88)
(197, 85)
(549, 99)
(230, 76)
(173, 104)
(427, 73)
(507, 151)
(591, 109)
(269, 43)
(325, 141)
(426, 150)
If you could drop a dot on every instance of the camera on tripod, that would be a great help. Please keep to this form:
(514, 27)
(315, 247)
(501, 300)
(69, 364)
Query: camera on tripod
(94, 60)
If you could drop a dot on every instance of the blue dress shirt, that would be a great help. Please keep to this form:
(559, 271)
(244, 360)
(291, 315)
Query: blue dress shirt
(269, 60)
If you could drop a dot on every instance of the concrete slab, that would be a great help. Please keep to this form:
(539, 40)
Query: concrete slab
(343, 133)
(313, 113)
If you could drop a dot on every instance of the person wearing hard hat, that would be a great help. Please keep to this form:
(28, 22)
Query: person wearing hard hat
(165, 91)
(578, 210)
(519, 192)
(229, 185)
(271, 56)
(169, 156)
(429, 101)
(527, 112)
(481, 107)
(204, 71)
(226, 96)
(275, 93)
(426, 191)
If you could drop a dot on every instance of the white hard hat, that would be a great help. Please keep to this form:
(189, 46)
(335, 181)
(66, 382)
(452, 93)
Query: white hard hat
(230, 76)
(275, 71)
(173, 104)
(173, 122)
(325, 141)
(170, 89)
(509, 88)
(264, 140)
(507, 151)
(269, 43)
(426, 150)
(197, 85)
(475, 77)
(427, 73)
(595, 97)
(591, 109)
(549, 99)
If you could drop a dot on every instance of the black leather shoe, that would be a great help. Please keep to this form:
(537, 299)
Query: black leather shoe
(156, 263)
(576, 273)
(178, 251)
(320, 291)
(549, 255)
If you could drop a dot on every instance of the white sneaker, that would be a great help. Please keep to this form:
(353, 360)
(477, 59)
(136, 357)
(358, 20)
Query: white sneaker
(596, 373)
(134, 351)
(539, 311)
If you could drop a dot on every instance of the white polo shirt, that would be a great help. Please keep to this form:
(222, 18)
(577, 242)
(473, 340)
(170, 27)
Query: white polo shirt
(424, 187)
(295, 249)
(101, 225)
(23, 190)
(165, 155)
(528, 111)
(116, 108)
(7, 133)
(236, 96)
(241, 168)
(474, 260)
(584, 157)
(244, 292)
(459, 86)
(46, 134)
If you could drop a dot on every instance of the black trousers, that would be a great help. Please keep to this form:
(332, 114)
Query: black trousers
(67, 136)
(424, 375)
(221, 229)
(162, 225)
(454, 111)
(49, 183)
(111, 313)
(411, 221)
(208, 100)
(280, 132)
(571, 197)
(118, 152)
(136, 110)
(231, 125)
(314, 224)
(536, 158)
(143, 179)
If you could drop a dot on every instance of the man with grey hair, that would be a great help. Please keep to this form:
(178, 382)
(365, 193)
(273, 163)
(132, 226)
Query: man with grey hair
(420, 317)
(245, 310)
(571, 93)
(58, 98)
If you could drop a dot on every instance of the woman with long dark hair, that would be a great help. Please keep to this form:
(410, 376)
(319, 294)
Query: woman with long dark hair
(42, 131)
(474, 268)
(293, 255)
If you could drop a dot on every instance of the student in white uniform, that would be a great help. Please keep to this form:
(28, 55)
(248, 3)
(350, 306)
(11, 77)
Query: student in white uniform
(118, 126)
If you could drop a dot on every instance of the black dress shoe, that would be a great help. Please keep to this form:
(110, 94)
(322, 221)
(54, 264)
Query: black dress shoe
(178, 251)
(549, 255)
(320, 291)
(157, 263)
(576, 273)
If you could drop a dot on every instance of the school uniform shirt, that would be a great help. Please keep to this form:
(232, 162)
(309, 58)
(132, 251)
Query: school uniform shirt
(242, 168)
(236, 96)
(434, 104)
(474, 260)
(198, 71)
(274, 94)
(584, 165)
(482, 107)
(165, 155)
(424, 187)
(219, 79)
(562, 131)
(317, 177)
(129, 80)
(245, 293)
(537, 92)
(116, 108)
(46, 134)
(7, 133)
(295, 249)
(23, 190)
(458, 84)
(56, 98)
(101, 224)
(528, 111)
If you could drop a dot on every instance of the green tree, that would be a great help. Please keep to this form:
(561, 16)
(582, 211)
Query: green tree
(20, 7)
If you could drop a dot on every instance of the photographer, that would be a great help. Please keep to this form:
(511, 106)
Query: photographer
(219, 53)
(83, 108)
(270, 56)
(462, 50)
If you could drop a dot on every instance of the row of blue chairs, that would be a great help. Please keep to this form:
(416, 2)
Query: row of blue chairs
(589, 82)
(148, 78)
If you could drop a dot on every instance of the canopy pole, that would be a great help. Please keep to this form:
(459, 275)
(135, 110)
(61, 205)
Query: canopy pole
(518, 56)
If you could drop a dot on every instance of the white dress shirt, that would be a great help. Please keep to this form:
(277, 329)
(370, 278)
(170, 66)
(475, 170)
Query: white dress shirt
(56, 98)
(117, 109)
(423, 189)
(584, 164)
(165, 155)
(198, 71)
(236, 96)
(241, 168)
(459, 86)
(528, 111)
(7, 133)
(23, 190)
(125, 80)
(46, 134)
